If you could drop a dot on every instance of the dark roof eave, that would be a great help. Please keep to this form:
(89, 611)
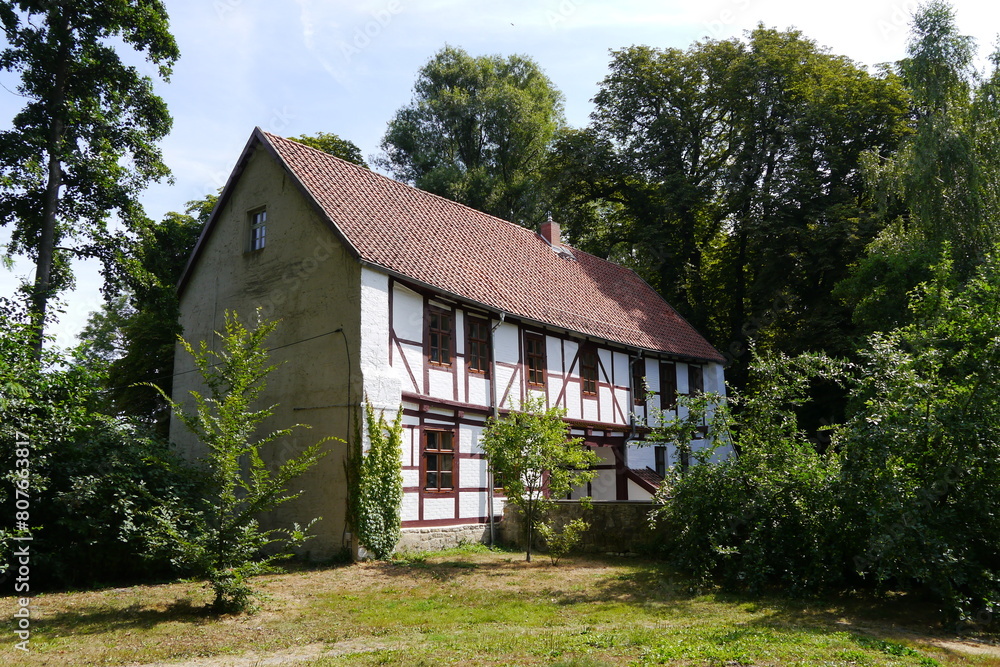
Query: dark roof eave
(524, 318)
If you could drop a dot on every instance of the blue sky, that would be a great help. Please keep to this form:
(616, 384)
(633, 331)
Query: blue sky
(304, 66)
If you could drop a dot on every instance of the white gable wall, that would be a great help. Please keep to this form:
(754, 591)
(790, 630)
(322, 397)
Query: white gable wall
(381, 384)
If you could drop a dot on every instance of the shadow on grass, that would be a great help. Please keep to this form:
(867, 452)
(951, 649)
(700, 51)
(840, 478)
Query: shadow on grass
(96, 619)
(439, 571)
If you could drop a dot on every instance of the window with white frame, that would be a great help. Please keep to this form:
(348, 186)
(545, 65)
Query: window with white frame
(258, 229)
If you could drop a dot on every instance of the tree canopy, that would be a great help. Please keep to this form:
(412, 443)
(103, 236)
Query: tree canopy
(132, 337)
(729, 176)
(334, 145)
(477, 131)
(84, 145)
(942, 187)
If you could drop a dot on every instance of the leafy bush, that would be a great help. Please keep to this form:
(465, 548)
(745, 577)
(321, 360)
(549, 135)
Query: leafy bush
(560, 542)
(907, 494)
(769, 515)
(921, 455)
(93, 479)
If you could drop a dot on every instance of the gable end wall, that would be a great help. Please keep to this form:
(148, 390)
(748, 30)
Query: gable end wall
(306, 278)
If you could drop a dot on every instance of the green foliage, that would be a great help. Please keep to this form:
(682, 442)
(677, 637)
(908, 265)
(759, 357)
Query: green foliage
(942, 186)
(132, 338)
(559, 542)
(533, 457)
(728, 176)
(334, 145)
(922, 454)
(93, 479)
(84, 145)
(224, 543)
(477, 132)
(768, 515)
(375, 483)
(905, 496)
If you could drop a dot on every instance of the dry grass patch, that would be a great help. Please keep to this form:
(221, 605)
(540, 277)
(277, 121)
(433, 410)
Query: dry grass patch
(473, 608)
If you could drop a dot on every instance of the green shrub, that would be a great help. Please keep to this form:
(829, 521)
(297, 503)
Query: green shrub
(907, 494)
(93, 479)
(921, 455)
(768, 516)
(560, 542)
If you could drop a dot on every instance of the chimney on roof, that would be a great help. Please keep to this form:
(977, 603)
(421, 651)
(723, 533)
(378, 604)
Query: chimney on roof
(550, 232)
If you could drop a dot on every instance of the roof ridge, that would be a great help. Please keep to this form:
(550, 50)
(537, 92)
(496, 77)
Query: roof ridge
(354, 165)
(449, 202)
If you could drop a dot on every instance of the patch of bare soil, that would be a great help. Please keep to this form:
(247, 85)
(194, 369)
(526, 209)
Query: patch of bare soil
(962, 645)
(969, 647)
(285, 657)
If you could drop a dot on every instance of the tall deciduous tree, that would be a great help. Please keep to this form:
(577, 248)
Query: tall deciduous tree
(85, 143)
(477, 131)
(729, 176)
(943, 185)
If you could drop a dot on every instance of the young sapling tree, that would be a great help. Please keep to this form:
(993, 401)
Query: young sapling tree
(535, 460)
(225, 543)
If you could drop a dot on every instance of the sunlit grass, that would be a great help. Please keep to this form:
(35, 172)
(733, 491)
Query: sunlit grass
(476, 607)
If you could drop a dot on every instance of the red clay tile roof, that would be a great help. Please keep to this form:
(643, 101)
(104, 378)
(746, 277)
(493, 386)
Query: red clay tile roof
(484, 259)
(647, 478)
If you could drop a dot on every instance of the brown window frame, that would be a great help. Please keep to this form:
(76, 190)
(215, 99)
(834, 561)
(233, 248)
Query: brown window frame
(428, 453)
(639, 381)
(589, 370)
(696, 379)
(258, 229)
(660, 460)
(477, 349)
(534, 371)
(668, 390)
(449, 333)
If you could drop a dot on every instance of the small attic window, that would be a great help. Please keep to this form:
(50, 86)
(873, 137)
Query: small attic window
(258, 229)
(565, 253)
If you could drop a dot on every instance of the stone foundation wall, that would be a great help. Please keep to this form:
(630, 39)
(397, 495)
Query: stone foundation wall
(616, 527)
(444, 537)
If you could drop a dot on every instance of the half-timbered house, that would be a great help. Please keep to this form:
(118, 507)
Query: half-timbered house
(418, 303)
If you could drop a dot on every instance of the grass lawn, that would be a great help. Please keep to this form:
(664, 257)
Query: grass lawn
(471, 607)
